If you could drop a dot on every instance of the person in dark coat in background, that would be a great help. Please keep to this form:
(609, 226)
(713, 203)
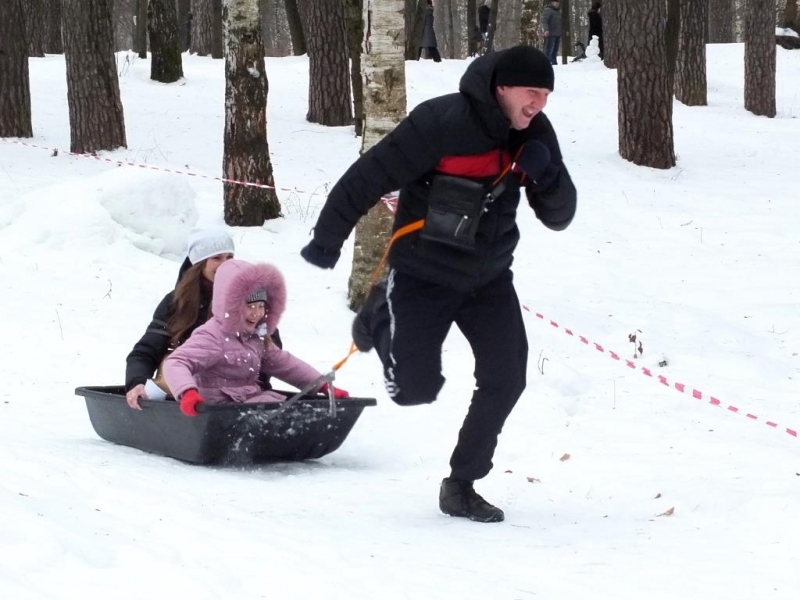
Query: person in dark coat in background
(178, 314)
(460, 161)
(596, 25)
(428, 41)
(551, 23)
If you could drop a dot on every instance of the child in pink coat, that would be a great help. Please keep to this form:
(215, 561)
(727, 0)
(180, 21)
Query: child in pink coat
(222, 359)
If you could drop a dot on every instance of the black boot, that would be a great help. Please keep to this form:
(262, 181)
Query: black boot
(364, 323)
(458, 498)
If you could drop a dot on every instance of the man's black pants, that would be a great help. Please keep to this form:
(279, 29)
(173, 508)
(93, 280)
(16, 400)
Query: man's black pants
(409, 342)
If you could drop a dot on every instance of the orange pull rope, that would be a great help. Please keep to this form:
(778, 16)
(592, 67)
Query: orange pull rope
(405, 230)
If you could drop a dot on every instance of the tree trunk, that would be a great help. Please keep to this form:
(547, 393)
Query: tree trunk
(15, 93)
(509, 15)
(329, 69)
(720, 22)
(201, 27)
(162, 25)
(673, 32)
(275, 28)
(296, 30)
(414, 21)
(96, 121)
(34, 26)
(355, 38)
(385, 105)
(141, 28)
(184, 7)
(566, 33)
(246, 152)
(492, 25)
(611, 33)
(52, 27)
(645, 101)
(691, 86)
(217, 50)
(531, 23)
(759, 58)
(123, 15)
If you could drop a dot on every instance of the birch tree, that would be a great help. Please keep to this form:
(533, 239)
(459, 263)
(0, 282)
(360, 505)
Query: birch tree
(96, 120)
(759, 58)
(644, 99)
(385, 106)
(530, 23)
(15, 93)
(245, 148)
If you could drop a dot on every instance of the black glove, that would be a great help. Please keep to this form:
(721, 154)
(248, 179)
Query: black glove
(535, 162)
(319, 256)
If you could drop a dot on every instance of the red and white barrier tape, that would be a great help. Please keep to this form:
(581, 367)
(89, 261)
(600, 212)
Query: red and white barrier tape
(390, 199)
(695, 393)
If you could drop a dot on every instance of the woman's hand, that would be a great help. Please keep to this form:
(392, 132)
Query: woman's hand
(132, 397)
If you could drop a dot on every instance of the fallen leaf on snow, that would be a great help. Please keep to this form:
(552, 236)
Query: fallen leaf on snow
(533, 480)
(658, 495)
(667, 513)
(565, 457)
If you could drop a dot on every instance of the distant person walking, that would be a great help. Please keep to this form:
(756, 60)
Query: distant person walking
(428, 42)
(596, 25)
(551, 23)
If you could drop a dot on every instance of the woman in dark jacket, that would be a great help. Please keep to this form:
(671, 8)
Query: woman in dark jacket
(180, 312)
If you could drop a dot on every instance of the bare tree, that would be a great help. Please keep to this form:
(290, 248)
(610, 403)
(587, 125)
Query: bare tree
(296, 27)
(246, 152)
(759, 58)
(34, 27)
(492, 24)
(329, 69)
(184, 7)
(645, 101)
(691, 86)
(123, 15)
(385, 107)
(96, 120)
(414, 11)
(611, 33)
(566, 32)
(15, 93)
(52, 27)
(355, 36)
(509, 16)
(217, 50)
(140, 29)
(202, 19)
(162, 25)
(720, 21)
(530, 23)
(275, 28)
(673, 32)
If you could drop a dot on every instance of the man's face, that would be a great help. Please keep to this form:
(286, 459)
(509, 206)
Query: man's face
(521, 104)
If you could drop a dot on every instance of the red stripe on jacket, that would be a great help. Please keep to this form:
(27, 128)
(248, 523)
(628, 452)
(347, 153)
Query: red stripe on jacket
(489, 164)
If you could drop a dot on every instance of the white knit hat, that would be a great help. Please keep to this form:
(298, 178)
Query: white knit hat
(205, 243)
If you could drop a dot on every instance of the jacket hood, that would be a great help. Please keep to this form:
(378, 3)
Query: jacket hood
(478, 85)
(187, 264)
(237, 279)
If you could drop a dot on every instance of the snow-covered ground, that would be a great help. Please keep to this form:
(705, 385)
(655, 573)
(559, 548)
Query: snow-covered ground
(662, 495)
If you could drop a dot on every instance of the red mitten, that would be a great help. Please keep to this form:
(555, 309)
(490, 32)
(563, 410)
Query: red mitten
(189, 402)
(337, 393)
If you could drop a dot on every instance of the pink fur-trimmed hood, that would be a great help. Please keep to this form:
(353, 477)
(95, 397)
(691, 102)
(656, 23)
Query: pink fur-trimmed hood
(234, 281)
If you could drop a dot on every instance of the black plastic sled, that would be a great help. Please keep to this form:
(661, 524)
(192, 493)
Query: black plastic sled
(227, 433)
